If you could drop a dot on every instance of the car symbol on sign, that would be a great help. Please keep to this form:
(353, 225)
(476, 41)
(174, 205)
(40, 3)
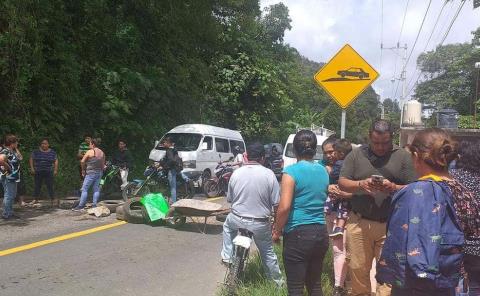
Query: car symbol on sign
(353, 72)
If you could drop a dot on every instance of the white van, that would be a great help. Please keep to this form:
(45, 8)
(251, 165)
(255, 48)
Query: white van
(289, 155)
(201, 147)
(321, 133)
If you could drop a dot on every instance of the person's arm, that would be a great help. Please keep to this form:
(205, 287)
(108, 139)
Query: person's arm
(84, 160)
(55, 167)
(80, 153)
(30, 161)
(230, 188)
(347, 182)
(275, 193)
(286, 198)
(19, 155)
(4, 162)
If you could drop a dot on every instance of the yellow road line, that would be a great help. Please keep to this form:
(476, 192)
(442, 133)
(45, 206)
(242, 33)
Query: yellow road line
(59, 238)
(215, 198)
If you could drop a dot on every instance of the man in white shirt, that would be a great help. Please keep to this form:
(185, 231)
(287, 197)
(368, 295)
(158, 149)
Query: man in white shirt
(254, 192)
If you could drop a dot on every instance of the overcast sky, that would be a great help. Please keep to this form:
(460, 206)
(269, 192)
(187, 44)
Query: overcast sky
(321, 27)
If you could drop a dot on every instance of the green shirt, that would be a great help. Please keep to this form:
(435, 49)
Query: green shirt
(83, 148)
(361, 164)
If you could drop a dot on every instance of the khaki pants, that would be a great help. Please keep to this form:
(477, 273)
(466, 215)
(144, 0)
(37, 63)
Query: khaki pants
(365, 240)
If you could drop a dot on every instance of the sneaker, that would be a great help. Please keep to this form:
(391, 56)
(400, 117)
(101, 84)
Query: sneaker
(337, 231)
(339, 291)
(77, 209)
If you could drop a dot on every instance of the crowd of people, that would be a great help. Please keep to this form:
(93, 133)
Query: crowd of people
(43, 166)
(415, 210)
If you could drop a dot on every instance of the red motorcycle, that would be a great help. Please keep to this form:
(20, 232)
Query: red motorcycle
(219, 184)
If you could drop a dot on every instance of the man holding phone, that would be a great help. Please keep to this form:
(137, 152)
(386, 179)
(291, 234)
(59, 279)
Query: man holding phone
(372, 173)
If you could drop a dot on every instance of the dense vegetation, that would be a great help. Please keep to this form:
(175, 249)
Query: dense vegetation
(449, 76)
(136, 68)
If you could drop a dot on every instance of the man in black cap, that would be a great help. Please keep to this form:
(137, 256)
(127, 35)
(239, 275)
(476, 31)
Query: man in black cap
(253, 191)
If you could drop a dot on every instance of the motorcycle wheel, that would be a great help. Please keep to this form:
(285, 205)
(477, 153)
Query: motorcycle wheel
(235, 270)
(131, 190)
(211, 188)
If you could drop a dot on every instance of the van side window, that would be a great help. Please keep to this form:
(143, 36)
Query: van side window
(222, 145)
(209, 141)
(240, 144)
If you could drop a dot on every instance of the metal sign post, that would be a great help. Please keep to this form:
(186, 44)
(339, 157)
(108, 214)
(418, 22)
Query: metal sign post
(342, 130)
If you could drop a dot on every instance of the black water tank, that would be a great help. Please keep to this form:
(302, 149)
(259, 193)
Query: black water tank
(447, 118)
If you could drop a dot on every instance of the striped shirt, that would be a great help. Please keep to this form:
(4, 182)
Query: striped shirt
(43, 160)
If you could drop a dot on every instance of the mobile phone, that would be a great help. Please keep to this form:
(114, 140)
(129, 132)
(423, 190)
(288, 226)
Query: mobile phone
(377, 179)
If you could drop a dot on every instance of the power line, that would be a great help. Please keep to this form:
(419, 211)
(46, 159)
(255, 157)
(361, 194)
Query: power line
(428, 41)
(444, 37)
(415, 43)
(447, 18)
(453, 21)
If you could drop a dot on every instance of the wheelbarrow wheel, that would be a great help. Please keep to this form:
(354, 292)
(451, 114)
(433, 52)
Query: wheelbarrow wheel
(178, 221)
(174, 219)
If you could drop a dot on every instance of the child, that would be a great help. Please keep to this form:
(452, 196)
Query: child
(342, 148)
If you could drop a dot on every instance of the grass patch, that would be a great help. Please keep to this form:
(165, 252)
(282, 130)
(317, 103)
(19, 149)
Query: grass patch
(256, 284)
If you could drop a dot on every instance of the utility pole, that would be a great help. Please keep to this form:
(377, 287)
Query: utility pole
(477, 66)
(403, 75)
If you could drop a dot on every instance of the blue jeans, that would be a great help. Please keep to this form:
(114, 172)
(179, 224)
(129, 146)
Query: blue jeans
(9, 193)
(90, 179)
(262, 235)
(172, 182)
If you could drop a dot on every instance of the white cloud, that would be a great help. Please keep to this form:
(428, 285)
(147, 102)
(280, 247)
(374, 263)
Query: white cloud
(321, 27)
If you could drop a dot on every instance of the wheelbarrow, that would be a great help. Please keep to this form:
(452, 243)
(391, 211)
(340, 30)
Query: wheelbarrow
(190, 208)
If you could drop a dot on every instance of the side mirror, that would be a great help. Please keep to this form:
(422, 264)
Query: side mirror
(156, 143)
(204, 146)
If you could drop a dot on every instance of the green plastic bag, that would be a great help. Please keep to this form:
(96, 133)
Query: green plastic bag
(156, 206)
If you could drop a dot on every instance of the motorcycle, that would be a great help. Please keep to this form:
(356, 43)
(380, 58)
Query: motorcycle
(219, 184)
(236, 268)
(111, 181)
(157, 181)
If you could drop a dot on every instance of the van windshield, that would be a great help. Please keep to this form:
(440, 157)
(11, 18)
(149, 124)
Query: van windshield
(289, 152)
(183, 141)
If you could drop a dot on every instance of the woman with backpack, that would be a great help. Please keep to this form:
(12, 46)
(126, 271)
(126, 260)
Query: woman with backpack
(422, 254)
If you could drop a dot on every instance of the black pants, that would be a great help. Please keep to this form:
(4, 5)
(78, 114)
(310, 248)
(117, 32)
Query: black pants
(472, 267)
(422, 287)
(303, 251)
(41, 177)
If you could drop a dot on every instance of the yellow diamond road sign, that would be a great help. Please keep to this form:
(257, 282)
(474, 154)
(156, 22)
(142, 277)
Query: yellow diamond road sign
(346, 76)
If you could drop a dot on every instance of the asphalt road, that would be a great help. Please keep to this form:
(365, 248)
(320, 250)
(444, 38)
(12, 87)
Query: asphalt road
(128, 259)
